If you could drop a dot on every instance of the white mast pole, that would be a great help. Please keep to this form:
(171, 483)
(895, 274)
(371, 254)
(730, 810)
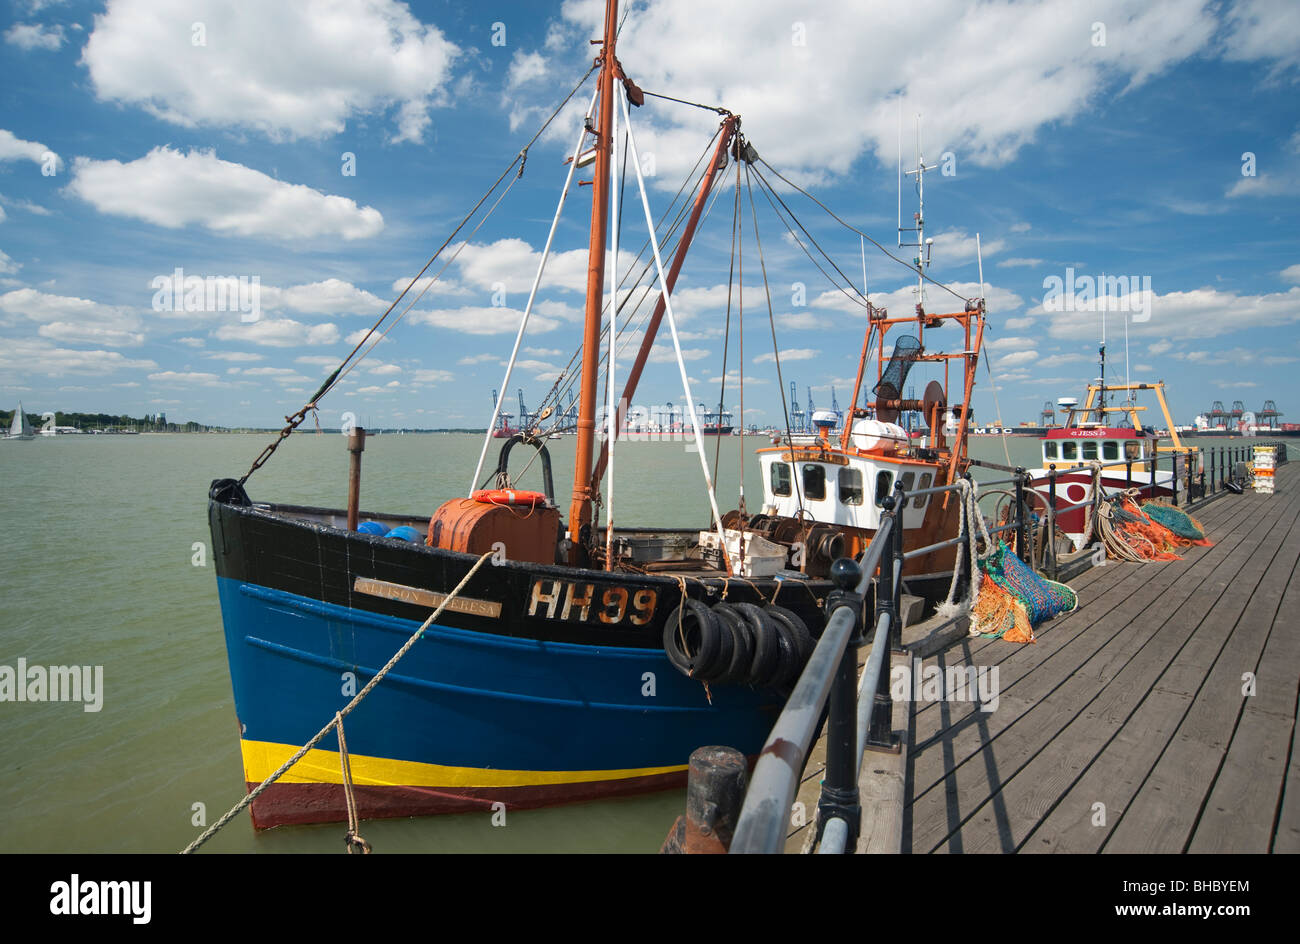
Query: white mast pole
(528, 308)
(613, 344)
(672, 327)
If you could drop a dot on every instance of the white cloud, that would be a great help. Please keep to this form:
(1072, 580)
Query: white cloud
(1016, 262)
(1264, 29)
(1265, 185)
(1198, 313)
(13, 148)
(793, 354)
(525, 68)
(1290, 273)
(9, 267)
(278, 332)
(288, 70)
(90, 334)
(489, 320)
(794, 96)
(76, 320)
(432, 376)
(34, 36)
(281, 375)
(192, 342)
(185, 378)
(330, 297)
(171, 189)
(239, 357)
(33, 356)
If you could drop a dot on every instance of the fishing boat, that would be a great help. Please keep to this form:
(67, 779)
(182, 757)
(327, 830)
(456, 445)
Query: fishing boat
(1093, 450)
(20, 428)
(585, 660)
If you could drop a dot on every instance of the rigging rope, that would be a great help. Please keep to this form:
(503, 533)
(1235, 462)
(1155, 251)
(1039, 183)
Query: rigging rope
(293, 421)
(854, 229)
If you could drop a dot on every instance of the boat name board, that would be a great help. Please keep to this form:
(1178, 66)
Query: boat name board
(421, 597)
(814, 455)
(571, 601)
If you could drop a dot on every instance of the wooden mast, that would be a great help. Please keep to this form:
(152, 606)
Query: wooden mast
(580, 509)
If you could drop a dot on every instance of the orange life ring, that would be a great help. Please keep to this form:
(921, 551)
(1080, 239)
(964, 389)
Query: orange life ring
(508, 496)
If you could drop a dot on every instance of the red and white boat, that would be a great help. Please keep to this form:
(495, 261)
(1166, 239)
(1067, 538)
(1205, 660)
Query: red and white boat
(1089, 454)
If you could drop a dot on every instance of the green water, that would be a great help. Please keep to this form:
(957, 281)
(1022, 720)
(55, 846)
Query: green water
(97, 567)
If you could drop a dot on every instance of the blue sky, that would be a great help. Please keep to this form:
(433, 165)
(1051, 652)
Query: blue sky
(1158, 141)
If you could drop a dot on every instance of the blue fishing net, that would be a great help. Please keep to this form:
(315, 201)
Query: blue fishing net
(1175, 519)
(1042, 598)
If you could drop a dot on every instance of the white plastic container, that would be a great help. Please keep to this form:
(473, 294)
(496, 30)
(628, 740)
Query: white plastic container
(763, 558)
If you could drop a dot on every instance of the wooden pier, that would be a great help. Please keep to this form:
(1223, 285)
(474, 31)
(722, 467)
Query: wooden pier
(1160, 716)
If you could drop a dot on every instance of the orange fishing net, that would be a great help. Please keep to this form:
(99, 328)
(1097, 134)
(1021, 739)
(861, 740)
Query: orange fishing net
(997, 613)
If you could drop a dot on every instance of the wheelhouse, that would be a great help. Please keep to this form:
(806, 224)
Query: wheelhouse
(1073, 446)
(843, 489)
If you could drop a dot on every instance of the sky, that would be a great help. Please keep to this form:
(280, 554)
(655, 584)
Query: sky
(1137, 162)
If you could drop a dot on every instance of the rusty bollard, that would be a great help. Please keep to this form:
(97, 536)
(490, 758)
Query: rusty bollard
(715, 789)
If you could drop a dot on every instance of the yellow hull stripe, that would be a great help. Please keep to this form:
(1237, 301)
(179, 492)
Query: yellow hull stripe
(263, 758)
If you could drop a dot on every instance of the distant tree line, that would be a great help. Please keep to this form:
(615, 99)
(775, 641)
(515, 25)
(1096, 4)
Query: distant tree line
(151, 422)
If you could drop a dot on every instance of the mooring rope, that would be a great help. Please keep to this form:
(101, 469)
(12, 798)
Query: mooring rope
(352, 837)
(336, 721)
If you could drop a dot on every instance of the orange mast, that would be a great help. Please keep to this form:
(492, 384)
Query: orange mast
(580, 510)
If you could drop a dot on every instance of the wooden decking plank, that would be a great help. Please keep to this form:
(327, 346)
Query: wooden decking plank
(1238, 817)
(1111, 778)
(1120, 700)
(1163, 814)
(1286, 836)
(1154, 722)
(1053, 666)
(1019, 660)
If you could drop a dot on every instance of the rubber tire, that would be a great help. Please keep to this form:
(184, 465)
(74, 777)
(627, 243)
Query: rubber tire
(702, 635)
(798, 629)
(767, 647)
(788, 664)
(742, 653)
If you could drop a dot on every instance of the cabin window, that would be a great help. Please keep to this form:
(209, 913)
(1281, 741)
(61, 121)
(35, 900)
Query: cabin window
(1110, 450)
(884, 480)
(1132, 450)
(814, 482)
(919, 500)
(780, 478)
(1090, 449)
(850, 486)
(1049, 450)
(907, 480)
(1069, 450)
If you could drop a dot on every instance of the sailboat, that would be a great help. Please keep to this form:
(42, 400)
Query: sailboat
(586, 660)
(20, 428)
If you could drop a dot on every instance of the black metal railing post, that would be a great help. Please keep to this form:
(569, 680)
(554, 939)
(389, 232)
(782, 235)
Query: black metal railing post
(1173, 477)
(1022, 538)
(1051, 501)
(839, 796)
(880, 735)
(896, 548)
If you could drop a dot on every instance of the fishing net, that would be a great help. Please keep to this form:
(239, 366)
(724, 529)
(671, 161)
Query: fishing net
(1179, 522)
(998, 614)
(1013, 599)
(906, 350)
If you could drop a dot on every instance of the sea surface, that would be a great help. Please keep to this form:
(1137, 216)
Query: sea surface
(104, 561)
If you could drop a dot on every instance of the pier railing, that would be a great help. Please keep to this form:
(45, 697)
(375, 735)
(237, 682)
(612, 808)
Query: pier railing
(860, 714)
